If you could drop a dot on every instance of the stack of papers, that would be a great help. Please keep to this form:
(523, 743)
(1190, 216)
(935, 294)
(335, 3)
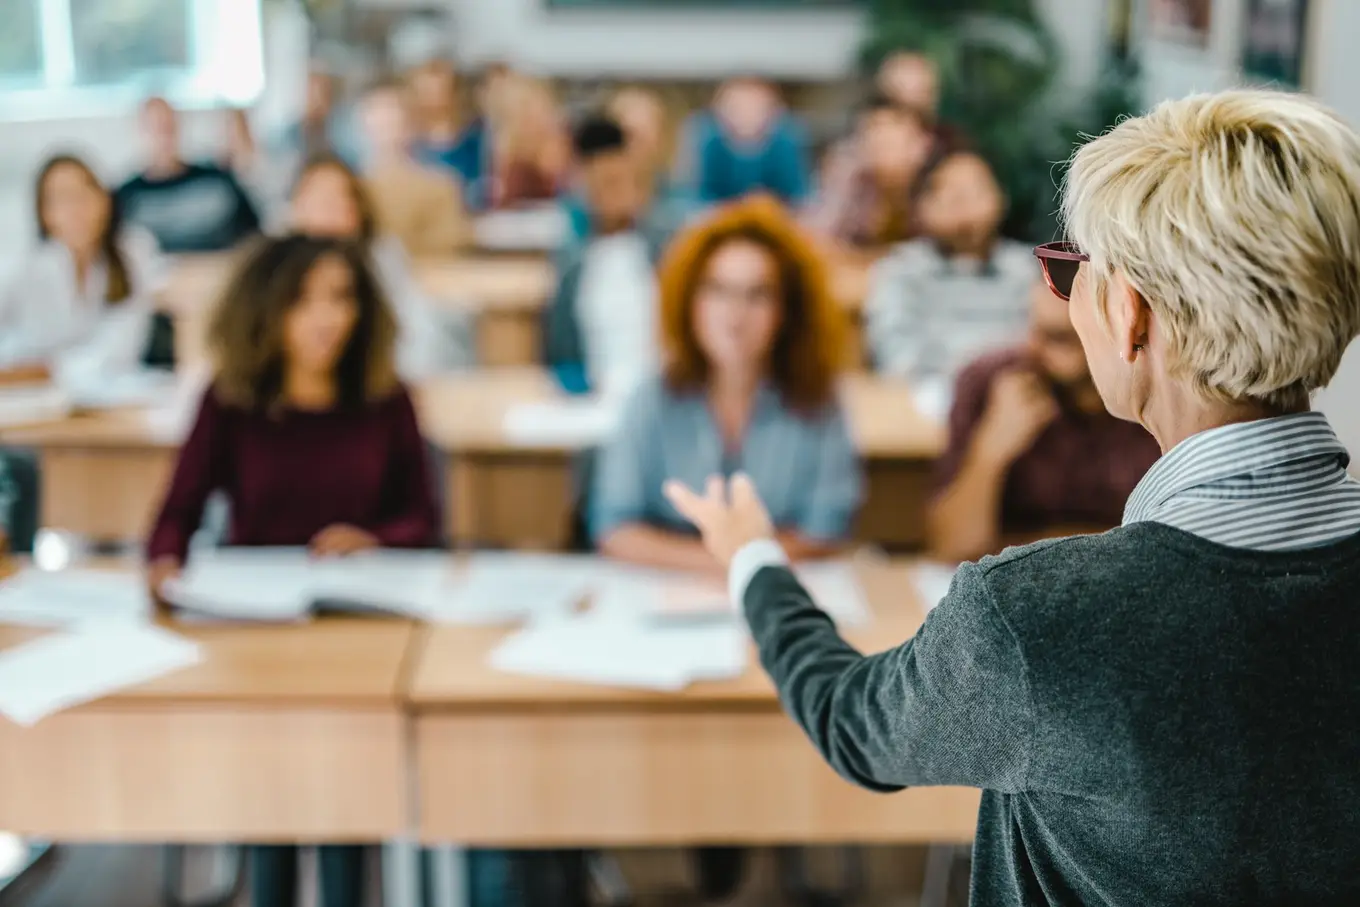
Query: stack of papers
(86, 663)
(933, 397)
(618, 650)
(288, 584)
(508, 587)
(29, 403)
(65, 598)
(569, 422)
(527, 230)
(932, 582)
(142, 388)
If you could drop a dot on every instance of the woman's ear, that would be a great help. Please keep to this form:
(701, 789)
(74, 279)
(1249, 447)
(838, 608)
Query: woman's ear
(1130, 317)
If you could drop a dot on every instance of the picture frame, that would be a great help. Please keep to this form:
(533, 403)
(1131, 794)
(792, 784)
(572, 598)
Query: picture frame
(1185, 22)
(1274, 41)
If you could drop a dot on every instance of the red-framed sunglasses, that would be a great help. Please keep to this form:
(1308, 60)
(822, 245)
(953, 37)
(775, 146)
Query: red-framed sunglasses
(1060, 261)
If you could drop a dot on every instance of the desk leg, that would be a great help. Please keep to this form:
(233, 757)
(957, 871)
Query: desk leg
(448, 876)
(401, 873)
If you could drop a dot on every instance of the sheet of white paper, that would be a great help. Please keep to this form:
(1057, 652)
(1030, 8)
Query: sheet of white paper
(932, 582)
(835, 588)
(505, 587)
(148, 387)
(86, 663)
(66, 597)
(530, 230)
(28, 403)
(617, 650)
(933, 397)
(282, 584)
(583, 422)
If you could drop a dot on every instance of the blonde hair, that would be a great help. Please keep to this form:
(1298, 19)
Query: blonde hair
(526, 108)
(640, 94)
(1236, 216)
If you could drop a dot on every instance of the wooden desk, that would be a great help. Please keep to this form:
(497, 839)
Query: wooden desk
(506, 294)
(514, 761)
(281, 733)
(503, 494)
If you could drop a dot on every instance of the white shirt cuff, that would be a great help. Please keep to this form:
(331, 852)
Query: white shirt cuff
(749, 561)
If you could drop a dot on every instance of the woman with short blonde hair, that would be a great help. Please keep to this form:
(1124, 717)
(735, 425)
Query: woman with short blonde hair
(1165, 713)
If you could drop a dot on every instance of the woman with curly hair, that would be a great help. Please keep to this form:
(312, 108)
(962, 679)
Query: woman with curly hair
(752, 342)
(314, 442)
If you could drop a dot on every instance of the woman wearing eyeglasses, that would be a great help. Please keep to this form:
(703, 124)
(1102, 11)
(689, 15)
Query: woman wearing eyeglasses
(1169, 712)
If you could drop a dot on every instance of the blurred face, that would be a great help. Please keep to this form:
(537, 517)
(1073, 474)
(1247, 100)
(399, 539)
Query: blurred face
(320, 97)
(911, 80)
(613, 187)
(738, 307)
(318, 326)
(75, 210)
(324, 205)
(962, 204)
(434, 90)
(643, 121)
(1053, 342)
(748, 107)
(385, 121)
(895, 146)
(160, 130)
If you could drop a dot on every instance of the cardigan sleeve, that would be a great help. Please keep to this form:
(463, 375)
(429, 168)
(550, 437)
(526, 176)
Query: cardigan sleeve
(200, 470)
(410, 514)
(950, 706)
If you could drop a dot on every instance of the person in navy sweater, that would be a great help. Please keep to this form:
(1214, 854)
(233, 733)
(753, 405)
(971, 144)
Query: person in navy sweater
(314, 441)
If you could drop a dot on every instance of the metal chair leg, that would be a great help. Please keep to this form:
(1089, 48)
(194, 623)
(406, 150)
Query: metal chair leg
(794, 881)
(172, 879)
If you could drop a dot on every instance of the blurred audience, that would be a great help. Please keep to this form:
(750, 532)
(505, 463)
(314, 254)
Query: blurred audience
(1032, 449)
(421, 206)
(79, 306)
(330, 201)
(752, 344)
(262, 175)
(867, 195)
(531, 148)
(600, 328)
(322, 127)
(187, 207)
(747, 142)
(912, 79)
(936, 303)
(449, 133)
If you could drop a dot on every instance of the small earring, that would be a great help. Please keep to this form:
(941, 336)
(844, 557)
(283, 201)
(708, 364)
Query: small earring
(1138, 347)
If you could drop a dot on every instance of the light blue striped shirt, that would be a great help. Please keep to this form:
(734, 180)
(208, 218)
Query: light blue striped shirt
(1271, 485)
(805, 467)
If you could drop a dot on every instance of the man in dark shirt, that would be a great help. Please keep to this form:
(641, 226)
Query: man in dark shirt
(187, 207)
(1032, 449)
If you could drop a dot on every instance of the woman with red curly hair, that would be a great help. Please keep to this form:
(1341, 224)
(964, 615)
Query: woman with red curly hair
(752, 342)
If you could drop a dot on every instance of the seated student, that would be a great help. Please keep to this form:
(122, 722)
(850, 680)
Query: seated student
(531, 153)
(421, 206)
(449, 135)
(748, 142)
(912, 79)
(321, 128)
(79, 306)
(752, 340)
(329, 200)
(315, 443)
(938, 302)
(649, 126)
(1032, 450)
(600, 328)
(187, 207)
(76, 310)
(867, 196)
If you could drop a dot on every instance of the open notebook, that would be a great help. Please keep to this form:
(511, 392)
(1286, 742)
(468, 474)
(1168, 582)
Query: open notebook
(288, 584)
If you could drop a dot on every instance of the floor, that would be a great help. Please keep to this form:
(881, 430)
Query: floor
(106, 876)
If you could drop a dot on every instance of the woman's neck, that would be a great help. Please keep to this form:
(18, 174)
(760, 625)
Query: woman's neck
(1173, 419)
(309, 390)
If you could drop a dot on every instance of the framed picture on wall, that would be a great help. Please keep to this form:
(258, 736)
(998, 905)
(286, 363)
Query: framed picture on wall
(1274, 35)
(671, 5)
(1180, 21)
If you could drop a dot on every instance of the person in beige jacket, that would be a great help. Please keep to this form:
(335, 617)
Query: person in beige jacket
(422, 207)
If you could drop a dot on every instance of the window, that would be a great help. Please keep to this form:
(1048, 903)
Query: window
(73, 57)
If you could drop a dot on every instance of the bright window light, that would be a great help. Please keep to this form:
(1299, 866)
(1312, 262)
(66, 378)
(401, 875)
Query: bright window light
(70, 58)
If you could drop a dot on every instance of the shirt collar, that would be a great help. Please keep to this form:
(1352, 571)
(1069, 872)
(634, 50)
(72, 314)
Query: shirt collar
(1236, 452)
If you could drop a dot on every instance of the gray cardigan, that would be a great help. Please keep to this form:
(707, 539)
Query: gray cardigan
(1153, 718)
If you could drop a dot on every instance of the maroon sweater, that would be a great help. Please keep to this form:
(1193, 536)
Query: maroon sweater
(292, 475)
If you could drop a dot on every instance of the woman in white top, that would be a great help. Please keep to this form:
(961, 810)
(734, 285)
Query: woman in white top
(329, 200)
(79, 307)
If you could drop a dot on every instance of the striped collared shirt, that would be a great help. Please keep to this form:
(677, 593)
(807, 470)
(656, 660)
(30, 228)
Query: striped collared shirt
(1271, 485)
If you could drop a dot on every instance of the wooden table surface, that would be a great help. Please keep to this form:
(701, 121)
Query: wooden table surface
(280, 733)
(503, 760)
